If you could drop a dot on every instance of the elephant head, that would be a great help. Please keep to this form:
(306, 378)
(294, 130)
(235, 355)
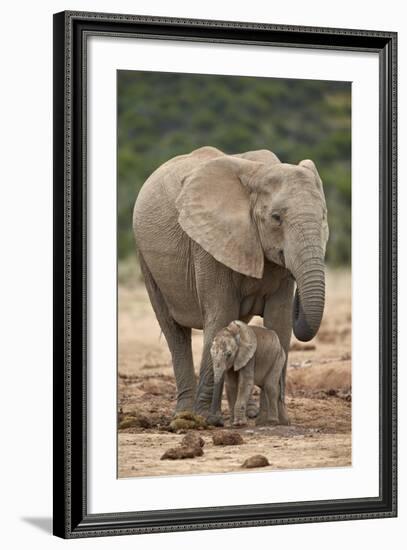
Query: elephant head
(243, 212)
(233, 346)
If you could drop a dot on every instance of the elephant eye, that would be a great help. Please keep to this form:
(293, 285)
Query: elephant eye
(276, 216)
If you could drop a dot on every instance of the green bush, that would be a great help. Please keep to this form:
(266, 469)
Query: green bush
(161, 115)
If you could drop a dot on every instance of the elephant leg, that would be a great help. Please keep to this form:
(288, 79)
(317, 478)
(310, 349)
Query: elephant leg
(264, 407)
(273, 408)
(179, 342)
(203, 401)
(252, 406)
(278, 316)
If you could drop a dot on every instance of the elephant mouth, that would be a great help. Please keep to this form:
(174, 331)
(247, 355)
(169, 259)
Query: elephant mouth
(276, 256)
(281, 257)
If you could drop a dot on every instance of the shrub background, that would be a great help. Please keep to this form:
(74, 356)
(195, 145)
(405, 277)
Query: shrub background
(161, 115)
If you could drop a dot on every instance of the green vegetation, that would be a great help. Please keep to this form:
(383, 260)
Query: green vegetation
(161, 115)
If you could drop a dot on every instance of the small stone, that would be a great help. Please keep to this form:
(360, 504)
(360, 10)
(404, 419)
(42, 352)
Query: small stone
(256, 461)
(227, 438)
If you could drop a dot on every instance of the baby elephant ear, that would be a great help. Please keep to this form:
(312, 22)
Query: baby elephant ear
(214, 210)
(247, 345)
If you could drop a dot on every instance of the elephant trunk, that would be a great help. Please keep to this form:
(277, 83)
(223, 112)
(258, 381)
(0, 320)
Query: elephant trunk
(215, 416)
(308, 307)
(219, 368)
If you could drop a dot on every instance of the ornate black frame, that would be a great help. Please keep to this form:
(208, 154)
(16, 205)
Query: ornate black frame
(71, 518)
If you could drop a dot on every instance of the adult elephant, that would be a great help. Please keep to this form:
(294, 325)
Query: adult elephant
(224, 237)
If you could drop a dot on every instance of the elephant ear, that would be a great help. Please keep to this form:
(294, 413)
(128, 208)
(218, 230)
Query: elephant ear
(247, 345)
(214, 210)
(310, 165)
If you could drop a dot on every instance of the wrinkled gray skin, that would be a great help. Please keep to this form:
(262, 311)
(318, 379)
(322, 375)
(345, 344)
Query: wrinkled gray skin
(223, 237)
(248, 356)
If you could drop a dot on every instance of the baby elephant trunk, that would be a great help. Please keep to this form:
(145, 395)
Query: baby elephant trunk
(219, 368)
(217, 376)
(215, 416)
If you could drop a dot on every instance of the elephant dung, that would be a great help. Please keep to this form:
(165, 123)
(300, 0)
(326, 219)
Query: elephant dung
(133, 420)
(256, 461)
(192, 439)
(190, 447)
(188, 421)
(227, 438)
(176, 453)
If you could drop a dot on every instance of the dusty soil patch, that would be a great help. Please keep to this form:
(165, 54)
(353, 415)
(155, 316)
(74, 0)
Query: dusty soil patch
(318, 400)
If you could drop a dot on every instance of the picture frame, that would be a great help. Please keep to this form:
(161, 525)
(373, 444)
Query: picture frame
(71, 514)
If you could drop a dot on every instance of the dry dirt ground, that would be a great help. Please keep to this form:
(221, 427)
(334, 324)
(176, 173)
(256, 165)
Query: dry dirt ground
(318, 396)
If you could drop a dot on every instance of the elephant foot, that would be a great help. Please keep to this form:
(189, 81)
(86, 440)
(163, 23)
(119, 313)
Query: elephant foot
(204, 410)
(283, 418)
(184, 405)
(202, 407)
(273, 422)
(239, 423)
(215, 420)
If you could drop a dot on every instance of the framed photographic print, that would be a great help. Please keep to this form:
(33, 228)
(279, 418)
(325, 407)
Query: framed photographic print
(224, 274)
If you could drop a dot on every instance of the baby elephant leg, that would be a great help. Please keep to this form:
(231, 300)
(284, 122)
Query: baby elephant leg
(264, 408)
(272, 392)
(244, 391)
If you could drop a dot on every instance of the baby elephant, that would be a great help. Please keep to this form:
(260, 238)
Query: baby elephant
(248, 355)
